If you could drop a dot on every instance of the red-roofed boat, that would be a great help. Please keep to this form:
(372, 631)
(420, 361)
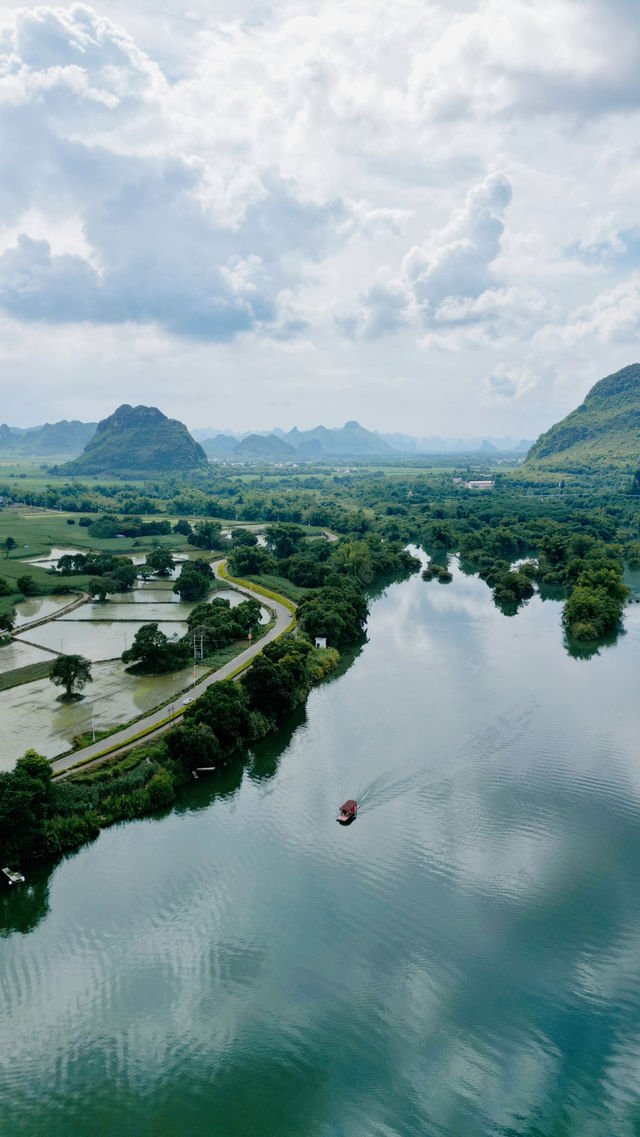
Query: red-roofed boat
(348, 812)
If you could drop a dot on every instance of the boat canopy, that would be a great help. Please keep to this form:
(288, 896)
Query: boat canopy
(349, 806)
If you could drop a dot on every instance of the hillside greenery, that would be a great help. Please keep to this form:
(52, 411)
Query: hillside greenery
(138, 439)
(602, 434)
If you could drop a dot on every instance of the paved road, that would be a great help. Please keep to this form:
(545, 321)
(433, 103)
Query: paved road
(159, 721)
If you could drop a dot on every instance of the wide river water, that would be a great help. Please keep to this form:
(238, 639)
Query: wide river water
(463, 960)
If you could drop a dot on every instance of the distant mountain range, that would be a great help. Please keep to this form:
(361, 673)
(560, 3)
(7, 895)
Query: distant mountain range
(138, 439)
(58, 439)
(349, 441)
(603, 433)
(66, 440)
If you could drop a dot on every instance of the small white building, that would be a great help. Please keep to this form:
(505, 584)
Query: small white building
(321, 641)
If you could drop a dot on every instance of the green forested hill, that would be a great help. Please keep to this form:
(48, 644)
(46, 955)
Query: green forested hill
(53, 438)
(137, 439)
(269, 448)
(603, 433)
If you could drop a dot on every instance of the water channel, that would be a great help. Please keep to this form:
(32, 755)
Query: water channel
(462, 961)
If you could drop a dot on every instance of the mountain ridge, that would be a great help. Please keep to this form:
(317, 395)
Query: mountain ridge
(603, 432)
(63, 438)
(220, 443)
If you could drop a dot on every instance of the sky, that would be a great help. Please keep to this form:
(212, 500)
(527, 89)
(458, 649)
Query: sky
(424, 216)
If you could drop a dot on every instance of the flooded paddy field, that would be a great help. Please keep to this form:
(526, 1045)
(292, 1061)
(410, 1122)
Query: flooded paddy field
(37, 607)
(95, 639)
(33, 717)
(32, 714)
(51, 560)
(15, 654)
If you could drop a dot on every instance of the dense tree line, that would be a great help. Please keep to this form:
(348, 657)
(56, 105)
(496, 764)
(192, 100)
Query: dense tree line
(567, 539)
(212, 625)
(40, 819)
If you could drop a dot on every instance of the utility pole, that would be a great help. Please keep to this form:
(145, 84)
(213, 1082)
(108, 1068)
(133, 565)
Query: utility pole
(201, 631)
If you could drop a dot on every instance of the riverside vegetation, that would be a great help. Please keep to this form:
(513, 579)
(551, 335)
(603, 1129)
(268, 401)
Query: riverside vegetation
(569, 537)
(41, 818)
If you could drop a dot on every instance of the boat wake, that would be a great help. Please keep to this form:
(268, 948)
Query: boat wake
(383, 789)
(500, 735)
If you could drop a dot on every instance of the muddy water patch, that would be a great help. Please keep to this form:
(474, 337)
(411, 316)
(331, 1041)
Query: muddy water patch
(33, 717)
(52, 559)
(96, 639)
(15, 654)
(151, 593)
(138, 613)
(37, 607)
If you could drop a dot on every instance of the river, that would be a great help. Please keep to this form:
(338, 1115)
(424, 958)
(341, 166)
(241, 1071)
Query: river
(462, 961)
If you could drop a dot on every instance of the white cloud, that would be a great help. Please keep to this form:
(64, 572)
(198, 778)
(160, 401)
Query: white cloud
(158, 250)
(516, 383)
(457, 261)
(439, 280)
(612, 318)
(441, 191)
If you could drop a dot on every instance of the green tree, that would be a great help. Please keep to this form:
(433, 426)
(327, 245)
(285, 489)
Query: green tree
(355, 557)
(279, 678)
(243, 537)
(71, 671)
(193, 745)
(124, 573)
(249, 561)
(27, 585)
(218, 623)
(9, 544)
(338, 611)
(224, 708)
(283, 539)
(154, 653)
(161, 561)
(247, 616)
(101, 586)
(106, 526)
(207, 535)
(194, 580)
(25, 804)
(160, 790)
(6, 621)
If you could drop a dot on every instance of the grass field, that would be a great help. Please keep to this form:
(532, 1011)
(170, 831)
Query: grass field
(37, 531)
(34, 477)
(217, 659)
(26, 674)
(281, 585)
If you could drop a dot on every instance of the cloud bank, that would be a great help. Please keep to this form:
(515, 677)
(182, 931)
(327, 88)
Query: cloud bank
(336, 200)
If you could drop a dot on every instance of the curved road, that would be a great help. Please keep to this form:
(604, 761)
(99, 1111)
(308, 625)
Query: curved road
(160, 720)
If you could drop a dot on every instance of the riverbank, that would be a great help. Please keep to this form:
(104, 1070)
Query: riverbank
(236, 706)
(166, 716)
(45, 819)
